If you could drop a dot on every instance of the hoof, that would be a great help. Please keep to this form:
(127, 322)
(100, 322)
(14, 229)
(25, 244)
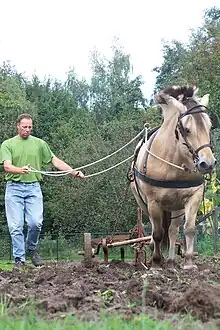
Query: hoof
(156, 262)
(156, 266)
(190, 267)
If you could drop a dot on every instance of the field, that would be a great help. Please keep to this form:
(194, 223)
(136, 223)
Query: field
(65, 289)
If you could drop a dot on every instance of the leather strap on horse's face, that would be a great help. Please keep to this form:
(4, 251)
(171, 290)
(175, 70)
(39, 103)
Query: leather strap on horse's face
(183, 132)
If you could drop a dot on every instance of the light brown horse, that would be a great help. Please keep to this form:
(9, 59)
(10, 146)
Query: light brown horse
(168, 168)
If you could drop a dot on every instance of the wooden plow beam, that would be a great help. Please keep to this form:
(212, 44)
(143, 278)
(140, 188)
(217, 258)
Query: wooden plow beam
(138, 244)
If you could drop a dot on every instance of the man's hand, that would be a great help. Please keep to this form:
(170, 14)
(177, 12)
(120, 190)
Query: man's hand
(9, 168)
(25, 170)
(62, 166)
(78, 174)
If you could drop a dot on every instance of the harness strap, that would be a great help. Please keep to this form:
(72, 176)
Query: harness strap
(168, 183)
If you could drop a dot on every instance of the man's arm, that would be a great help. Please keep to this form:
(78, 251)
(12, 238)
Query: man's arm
(9, 168)
(6, 160)
(62, 166)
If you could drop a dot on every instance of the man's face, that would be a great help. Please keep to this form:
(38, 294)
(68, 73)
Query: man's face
(24, 128)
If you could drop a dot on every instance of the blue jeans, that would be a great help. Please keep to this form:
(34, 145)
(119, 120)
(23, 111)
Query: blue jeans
(24, 201)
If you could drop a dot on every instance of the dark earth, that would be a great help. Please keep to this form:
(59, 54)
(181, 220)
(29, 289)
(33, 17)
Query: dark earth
(63, 288)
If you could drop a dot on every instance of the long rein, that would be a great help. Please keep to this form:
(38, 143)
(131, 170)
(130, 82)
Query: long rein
(63, 173)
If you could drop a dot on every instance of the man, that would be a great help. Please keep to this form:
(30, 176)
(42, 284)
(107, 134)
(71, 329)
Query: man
(23, 196)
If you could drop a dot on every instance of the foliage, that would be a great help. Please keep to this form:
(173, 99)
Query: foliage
(113, 90)
(205, 245)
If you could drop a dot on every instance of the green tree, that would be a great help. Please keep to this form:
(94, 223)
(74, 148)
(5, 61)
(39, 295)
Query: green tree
(113, 90)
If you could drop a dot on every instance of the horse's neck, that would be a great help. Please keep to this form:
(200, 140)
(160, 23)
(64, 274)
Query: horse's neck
(167, 146)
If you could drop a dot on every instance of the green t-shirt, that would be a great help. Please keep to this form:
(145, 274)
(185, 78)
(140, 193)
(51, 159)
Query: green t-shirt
(21, 152)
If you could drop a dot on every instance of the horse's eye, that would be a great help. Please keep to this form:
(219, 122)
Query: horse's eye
(187, 130)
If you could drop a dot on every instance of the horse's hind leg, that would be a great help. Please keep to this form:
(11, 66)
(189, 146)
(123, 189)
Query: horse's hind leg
(156, 218)
(177, 218)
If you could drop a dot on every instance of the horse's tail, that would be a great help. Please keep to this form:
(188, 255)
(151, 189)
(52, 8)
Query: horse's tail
(166, 225)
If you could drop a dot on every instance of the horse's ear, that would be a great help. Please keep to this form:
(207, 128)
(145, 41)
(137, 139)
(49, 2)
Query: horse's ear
(205, 100)
(215, 120)
(195, 90)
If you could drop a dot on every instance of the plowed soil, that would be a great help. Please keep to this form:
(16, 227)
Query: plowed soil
(58, 289)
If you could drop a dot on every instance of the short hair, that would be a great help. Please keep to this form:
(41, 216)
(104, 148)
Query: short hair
(22, 116)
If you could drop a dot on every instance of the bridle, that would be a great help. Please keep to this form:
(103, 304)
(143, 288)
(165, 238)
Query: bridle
(195, 109)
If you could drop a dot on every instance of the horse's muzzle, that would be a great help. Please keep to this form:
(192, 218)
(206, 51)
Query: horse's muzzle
(205, 166)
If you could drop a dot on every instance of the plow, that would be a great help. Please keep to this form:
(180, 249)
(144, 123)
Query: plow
(136, 238)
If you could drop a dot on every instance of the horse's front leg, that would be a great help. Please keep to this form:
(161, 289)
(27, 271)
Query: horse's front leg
(191, 209)
(156, 218)
(176, 219)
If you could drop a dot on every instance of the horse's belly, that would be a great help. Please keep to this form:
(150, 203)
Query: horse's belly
(168, 205)
(175, 200)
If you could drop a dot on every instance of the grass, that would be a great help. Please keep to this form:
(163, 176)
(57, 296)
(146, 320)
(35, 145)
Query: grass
(6, 265)
(33, 322)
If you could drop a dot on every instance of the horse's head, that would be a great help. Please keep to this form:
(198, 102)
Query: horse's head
(193, 123)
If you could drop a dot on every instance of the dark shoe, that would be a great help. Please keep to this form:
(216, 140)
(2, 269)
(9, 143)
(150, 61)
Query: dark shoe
(36, 258)
(19, 264)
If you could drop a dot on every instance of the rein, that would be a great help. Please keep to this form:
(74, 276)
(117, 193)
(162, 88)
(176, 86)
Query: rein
(67, 172)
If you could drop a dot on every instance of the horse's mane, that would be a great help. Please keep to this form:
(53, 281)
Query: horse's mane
(181, 93)
(187, 95)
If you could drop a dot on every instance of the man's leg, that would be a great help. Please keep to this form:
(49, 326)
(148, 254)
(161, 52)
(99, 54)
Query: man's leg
(34, 218)
(14, 207)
